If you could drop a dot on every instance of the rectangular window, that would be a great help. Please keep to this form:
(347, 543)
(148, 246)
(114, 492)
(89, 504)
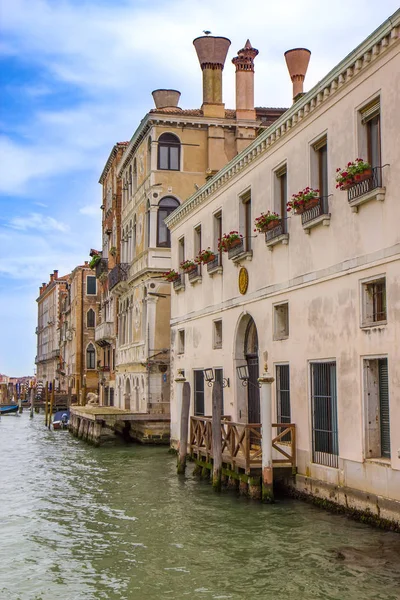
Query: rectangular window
(373, 302)
(197, 244)
(111, 396)
(246, 225)
(217, 233)
(325, 442)
(323, 170)
(181, 341)
(376, 387)
(91, 285)
(319, 171)
(198, 393)
(281, 321)
(371, 122)
(283, 394)
(163, 155)
(181, 249)
(219, 376)
(217, 334)
(280, 192)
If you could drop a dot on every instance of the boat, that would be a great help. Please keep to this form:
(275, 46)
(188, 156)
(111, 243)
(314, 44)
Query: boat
(61, 419)
(7, 409)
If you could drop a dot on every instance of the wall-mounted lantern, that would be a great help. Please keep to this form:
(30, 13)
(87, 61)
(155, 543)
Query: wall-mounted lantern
(209, 376)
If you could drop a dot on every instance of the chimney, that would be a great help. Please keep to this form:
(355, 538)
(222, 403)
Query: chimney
(166, 98)
(211, 52)
(40, 290)
(297, 61)
(51, 277)
(55, 274)
(244, 63)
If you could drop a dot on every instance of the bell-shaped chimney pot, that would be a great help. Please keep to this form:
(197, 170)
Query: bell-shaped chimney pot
(297, 61)
(211, 52)
(166, 98)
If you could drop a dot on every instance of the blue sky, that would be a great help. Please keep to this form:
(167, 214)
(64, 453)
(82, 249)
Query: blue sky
(76, 77)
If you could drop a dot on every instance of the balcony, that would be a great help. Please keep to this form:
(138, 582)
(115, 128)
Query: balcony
(369, 189)
(195, 275)
(117, 274)
(277, 235)
(215, 266)
(55, 353)
(101, 267)
(104, 333)
(316, 215)
(179, 283)
(238, 253)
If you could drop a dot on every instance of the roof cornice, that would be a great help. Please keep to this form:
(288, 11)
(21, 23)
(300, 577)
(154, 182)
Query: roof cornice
(352, 65)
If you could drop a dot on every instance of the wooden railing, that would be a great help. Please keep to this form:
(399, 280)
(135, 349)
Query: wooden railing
(241, 442)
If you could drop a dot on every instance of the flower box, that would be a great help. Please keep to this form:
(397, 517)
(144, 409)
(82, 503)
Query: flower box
(229, 241)
(355, 172)
(266, 222)
(205, 256)
(188, 265)
(171, 276)
(311, 203)
(304, 200)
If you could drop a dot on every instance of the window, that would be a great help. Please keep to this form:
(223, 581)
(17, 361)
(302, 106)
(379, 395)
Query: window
(199, 393)
(217, 334)
(90, 357)
(373, 302)
(281, 195)
(217, 221)
(246, 223)
(166, 206)
(169, 149)
(325, 443)
(281, 321)
(376, 393)
(181, 249)
(134, 178)
(91, 289)
(283, 397)
(181, 341)
(322, 154)
(134, 236)
(319, 173)
(148, 215)
(197, 239)
(371, 121)
(149, 155)
(91, 318)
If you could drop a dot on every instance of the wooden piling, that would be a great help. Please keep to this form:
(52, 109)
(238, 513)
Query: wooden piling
(69, 396)
(51, 402)
(181, 467)
(32, 392)
(84, 392)
(216, 435)
(46, 401)
(78, 399)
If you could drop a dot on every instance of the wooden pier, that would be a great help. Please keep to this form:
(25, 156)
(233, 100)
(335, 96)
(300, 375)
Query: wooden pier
(99, 424)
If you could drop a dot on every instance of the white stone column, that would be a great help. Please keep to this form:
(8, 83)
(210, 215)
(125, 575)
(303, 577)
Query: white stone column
(176, 423)
(265, 382)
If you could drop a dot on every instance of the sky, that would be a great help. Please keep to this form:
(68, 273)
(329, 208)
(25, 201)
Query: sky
(76, 76)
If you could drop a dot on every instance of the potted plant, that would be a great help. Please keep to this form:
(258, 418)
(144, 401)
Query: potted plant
(230, 240)
(113, 251)
(353, 173)
(304, 200)
(171, 275)
(267, 221)
(95, 259)
(205, 256)
(188, 265)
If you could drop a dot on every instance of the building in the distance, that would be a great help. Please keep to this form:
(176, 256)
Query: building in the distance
(47, 330)
(78, 313)
(172, 152)
(319, 290)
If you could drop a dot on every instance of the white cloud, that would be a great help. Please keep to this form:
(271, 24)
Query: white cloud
(37, 222)
(92, 210)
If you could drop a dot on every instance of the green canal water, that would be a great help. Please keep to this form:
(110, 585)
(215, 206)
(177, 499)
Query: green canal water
(79, 522)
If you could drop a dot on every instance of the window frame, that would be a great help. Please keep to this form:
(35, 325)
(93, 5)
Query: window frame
(365, 322)
(276, 335)
(90, 311)
(330, 459)
(95, 285)
(217, 345)
(168, 144)
(90, 353)
(168, 210)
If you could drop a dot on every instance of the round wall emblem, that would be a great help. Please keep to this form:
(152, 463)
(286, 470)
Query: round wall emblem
(243, 280)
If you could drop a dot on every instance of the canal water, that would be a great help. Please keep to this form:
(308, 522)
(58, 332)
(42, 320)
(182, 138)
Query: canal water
(84, 523)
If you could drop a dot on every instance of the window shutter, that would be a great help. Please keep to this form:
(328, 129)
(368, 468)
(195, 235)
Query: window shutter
(372, 110)
(281, 171)
(320, 143)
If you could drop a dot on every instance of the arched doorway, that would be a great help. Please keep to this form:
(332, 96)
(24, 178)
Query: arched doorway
(251, 356)
(127, 405)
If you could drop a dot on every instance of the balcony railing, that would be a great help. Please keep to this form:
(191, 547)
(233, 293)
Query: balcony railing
(214, 264)
(195, 274)
(321, 208)
(276, 231)
(236, 250)
(363, 187)
(104, 332)
(101, 267)
(117, 274)
(179, 283)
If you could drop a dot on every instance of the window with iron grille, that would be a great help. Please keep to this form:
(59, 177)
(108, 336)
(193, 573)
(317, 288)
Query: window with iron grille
(325, 442)
(374, 302)
(198, 393)
(283, 397)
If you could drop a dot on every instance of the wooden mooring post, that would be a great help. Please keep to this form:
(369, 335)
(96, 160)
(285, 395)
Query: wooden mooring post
(32, 392)
(265, 381)
(217, 435)
(184, 390)
(46, 403)
(53, 384)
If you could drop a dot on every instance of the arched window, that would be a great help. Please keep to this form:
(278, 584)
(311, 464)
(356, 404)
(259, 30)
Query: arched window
(90, 357)
(165, 207)
(169, 152)
(149, 155)
(91, 318)
(134, 177)
(148, 214)
(134, 236)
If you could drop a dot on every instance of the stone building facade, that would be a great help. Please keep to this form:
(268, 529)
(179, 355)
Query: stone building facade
(172, 152)
(48, 329)
(320, 293)
(106, 325)
(79, 355)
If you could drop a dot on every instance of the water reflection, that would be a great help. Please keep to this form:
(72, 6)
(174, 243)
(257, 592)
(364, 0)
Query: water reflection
(117, 523)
